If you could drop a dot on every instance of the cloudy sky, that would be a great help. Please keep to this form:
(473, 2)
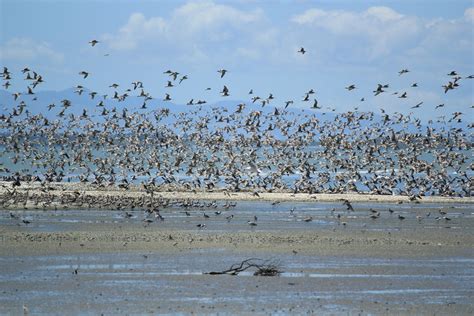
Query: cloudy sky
(347, 42)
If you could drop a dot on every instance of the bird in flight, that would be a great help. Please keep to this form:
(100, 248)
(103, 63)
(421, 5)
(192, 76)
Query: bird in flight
(225, 92)
(84, 73)
(302, 51)
(351, 87)
(222, 72)
(417, 106)
(315, 105)
(403, 71)
(93, 42)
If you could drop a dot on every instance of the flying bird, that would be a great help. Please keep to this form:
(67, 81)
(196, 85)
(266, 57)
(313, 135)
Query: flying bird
(403, 71)
(225, 91)
(417, 105)
(222, 72)
(84, 73)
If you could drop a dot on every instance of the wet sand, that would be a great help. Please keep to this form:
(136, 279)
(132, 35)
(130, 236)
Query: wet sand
(99, 261)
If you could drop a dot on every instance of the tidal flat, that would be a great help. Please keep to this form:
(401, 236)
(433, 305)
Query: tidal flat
(93, 261)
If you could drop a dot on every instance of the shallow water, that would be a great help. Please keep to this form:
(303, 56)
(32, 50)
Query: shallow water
(280, 217)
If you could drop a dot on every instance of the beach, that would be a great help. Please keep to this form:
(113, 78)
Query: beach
(137, 193)
(330, 265)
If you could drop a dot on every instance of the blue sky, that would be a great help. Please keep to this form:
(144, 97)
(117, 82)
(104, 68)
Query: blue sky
(347, 42)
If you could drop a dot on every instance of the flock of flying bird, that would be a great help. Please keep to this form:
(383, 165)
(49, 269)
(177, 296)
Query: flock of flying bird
(244, 148)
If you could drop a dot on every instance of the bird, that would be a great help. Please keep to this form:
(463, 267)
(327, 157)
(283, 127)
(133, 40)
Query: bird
(183, 78)
(403, 71)
(84, 73)
(348, 204)
(379, 90)
(93, 42)
(417, 105)
(315, 105)
(350, 87)
(222, 72)
(302, 51)
(225, 91)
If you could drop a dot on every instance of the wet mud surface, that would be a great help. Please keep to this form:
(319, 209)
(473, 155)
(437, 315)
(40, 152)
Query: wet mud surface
(93, 262)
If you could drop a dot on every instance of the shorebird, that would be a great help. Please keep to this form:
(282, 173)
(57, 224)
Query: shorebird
(93, 42)
(417, 105)
(234, 147)
(225, 92)
(302, 51)
(315, 105)
(183, 78)
(84, 73)
(222, 72)
(403, 71)
(379, 90)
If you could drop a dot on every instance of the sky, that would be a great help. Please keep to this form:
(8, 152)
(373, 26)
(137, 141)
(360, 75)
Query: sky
(346, 42)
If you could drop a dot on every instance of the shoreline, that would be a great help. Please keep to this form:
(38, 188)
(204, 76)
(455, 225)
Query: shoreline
(137, 193)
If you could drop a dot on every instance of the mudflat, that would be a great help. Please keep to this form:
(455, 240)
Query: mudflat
(113, 261)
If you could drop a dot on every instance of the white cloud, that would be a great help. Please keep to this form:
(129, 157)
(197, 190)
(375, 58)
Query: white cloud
(381, 33)
(469, 14)
(208, 32)
(378, 30)
(26, 49)
(384, 13)
(194, 23)
(137, 29)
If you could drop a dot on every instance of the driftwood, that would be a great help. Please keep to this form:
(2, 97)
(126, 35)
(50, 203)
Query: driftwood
(263, 268)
